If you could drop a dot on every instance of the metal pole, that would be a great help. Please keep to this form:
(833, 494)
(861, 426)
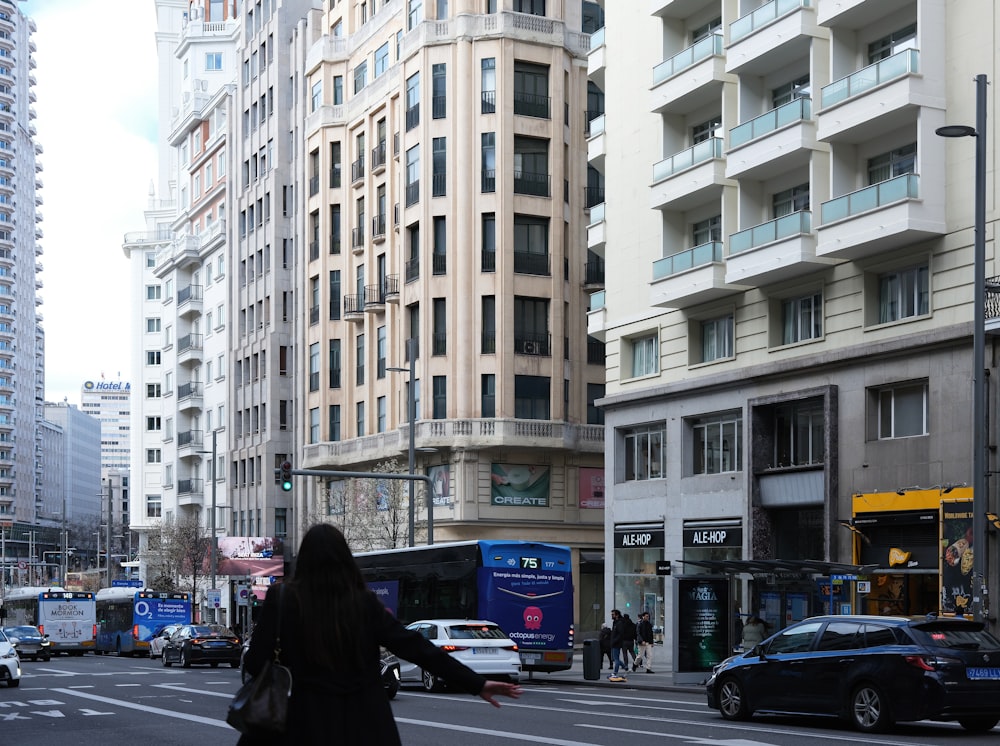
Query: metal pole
(107, 543)
(215, 537)
(64, 569)
(979, 498)
(411, 406)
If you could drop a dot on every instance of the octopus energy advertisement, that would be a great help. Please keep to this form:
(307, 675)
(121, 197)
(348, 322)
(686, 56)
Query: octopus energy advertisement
(533, 606)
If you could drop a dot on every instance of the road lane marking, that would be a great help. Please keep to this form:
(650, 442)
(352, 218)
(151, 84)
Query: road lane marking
(519, 737)
(188, 690)
(853, 739)
(146, 708)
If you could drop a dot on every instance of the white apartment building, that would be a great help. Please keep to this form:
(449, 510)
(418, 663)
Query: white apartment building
(441, 202)
(789, 310)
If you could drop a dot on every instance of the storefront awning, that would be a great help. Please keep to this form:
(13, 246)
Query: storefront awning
(768, 567)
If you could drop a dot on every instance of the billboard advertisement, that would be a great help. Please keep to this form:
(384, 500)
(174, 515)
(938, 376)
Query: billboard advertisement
(519, 485)
(591, 488)
(956, 556)
(256, 556)
(703, 614)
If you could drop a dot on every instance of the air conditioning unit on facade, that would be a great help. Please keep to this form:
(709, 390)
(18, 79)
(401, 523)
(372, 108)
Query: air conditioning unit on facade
(532, 348)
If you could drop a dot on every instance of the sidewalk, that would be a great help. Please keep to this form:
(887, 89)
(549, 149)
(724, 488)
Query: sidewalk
(639, 680)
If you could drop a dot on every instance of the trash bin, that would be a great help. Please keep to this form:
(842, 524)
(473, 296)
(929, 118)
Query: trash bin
(592, 660)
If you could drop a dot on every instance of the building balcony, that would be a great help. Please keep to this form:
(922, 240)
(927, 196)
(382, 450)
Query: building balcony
(378, 228)
(777, 250)
(189, 396)
(532, 105)
(992, 308)
(533, 184)
(597, 143)
(878, 218)
(593, 275)
(773, 143)
(392, 288)
(358, 169)
(533, 343)
(772, 36)
(190, 349)
(690, 177)
(690, 79)
(191, 492)
(378, 158)
(189, 442)
(597, 316)
(875, 100)
(358, 238)
(597, 58)
(374, 299)
(189, 300)
(488, 260)
(411, 269)
(689, 277)
(856, 14)
(593, 196)
(354, 308)
(597, 234)
(531, 263)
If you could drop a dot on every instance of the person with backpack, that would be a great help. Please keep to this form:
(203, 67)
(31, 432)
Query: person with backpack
(605, 641)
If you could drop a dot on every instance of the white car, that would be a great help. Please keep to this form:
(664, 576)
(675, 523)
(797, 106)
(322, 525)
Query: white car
(479, 644)
(159, 639)
(10, 664)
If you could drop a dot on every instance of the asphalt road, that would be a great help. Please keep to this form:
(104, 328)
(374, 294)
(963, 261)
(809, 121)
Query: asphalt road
(114, 701)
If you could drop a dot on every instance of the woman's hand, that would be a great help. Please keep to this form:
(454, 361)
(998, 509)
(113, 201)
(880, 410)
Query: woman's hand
(499, 688)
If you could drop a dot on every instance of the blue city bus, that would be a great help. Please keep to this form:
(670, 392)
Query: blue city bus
(127, 618)
(525, 587)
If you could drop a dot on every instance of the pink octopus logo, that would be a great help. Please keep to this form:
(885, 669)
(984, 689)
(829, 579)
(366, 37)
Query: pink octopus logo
(532, 618)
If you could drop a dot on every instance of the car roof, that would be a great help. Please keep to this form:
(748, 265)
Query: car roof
(453, 622)
(893, 621)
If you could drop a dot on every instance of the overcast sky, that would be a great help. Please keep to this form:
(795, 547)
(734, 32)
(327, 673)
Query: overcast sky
(97, 121)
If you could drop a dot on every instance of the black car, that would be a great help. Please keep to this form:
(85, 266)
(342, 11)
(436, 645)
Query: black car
(202, 643)
(29, 642)
(870, 670)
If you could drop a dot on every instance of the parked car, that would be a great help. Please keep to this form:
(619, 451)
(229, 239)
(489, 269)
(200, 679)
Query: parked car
(870, 670)
(202, 643)
(10, 664)
(479, 644)
(159, 639)
(30, 642)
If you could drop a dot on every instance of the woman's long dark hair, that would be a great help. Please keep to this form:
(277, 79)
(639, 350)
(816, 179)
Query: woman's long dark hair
(331, 594)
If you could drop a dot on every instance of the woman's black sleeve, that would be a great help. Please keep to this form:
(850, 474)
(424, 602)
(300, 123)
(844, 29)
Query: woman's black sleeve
(262, 641)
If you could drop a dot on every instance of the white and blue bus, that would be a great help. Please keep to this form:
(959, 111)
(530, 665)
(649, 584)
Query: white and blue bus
(68, 617)
(127, 618)
(525, 587)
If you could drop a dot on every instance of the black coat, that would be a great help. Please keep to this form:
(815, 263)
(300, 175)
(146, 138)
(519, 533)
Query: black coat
(341, 705)
(645, 631)
(618, 633)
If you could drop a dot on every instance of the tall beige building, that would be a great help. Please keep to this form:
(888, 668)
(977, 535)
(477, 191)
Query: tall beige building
(441, 201)
(789, 303)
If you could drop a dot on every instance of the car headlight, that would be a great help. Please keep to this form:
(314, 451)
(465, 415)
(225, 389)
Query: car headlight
(9, 654)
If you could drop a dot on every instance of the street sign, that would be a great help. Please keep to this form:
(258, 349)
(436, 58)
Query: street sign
(22, 565)
(242, 595)
(214, 597)
(662, 567)
(126, 584)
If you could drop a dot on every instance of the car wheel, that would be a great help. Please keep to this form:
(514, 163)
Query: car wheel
(431, 682)
(869, 709)
(183, 659)
(392, 690)
(978, 725)
(163, 658)
(13, 682)
(732, 700)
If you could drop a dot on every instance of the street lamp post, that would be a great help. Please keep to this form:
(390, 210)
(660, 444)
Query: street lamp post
(980, 503)
(214, 551)
(411, 409)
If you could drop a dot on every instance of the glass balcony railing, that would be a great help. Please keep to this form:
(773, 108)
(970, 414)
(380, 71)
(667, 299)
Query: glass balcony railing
(597, 39)
(793, 111)
(762, 16)
(684, 260)
(794, 224)
(597, 213)
(597, 300)
(906, 62)
(883, 193)
(703, 151)
(596, 126)
(700, 50)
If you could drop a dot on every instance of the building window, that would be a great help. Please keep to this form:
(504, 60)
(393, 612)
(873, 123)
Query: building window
(595, 415)
(534, 7)
(489, 334)
(801, 318)
(153, 292)
(488, 75)
(489, 242)
(153, 424)
(645, 355)
(783, 94)
(791, 200)
(531, 245)
(414, 13)
(897, 41)
(488, 395)
(531, 326)
(531, 397)
(334, 280)
(798, 434)
(154, 506)
(314, 425)
(903, 294)
(381, 349)
(531, 166)
(360, 409)
(717, 444)
(706, 130)
(314, 366)
(706, 231)
(316, 95)
(717, 338)
(901, 410)
(152, 325)
(153, 456)
(334, 422)
(704, 31)
(892, 164)
(338, 92)
(439, 91)
(531, 90)
(153, 391)
(382, 414)
(412, 114)
(381, 59)
(439, 343)
(489, 161)
(439, 255)
(359, 368)
(440, 394)
(644, 452)
(413, 175)
(152, 357)
(439, 166)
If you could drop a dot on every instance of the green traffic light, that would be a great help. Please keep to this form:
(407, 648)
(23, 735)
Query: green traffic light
(287, 485)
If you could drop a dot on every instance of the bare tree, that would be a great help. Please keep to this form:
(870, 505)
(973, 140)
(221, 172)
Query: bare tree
(177, 554)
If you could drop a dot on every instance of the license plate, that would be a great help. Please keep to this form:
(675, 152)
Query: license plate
(531, 657)
(983, 674)
(484, 651)
(216, 644)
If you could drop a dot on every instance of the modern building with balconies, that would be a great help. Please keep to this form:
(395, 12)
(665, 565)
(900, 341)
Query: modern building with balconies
(788, 300)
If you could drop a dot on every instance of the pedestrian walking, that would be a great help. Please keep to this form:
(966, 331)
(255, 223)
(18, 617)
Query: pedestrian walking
(629, 645)
(617, 642)
(754, 632)
(644, 632)
(605, 639)
(331, 629)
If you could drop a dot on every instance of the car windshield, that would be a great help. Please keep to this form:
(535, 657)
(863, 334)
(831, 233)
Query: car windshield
(956, 636)
(202, 631)
(22, 631)
(476, 632)
(3, 637)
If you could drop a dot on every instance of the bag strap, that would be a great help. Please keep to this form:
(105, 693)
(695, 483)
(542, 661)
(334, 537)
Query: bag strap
(277, 632)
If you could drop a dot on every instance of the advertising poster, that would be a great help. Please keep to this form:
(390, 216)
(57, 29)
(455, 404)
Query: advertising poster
(520, 485)
(441, 479)
(702, 623)
(387, 592)
(534, 607)
(956, 556)
(591, 488)
(256, 556)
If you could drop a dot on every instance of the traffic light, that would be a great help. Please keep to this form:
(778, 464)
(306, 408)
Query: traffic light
(285, 476)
